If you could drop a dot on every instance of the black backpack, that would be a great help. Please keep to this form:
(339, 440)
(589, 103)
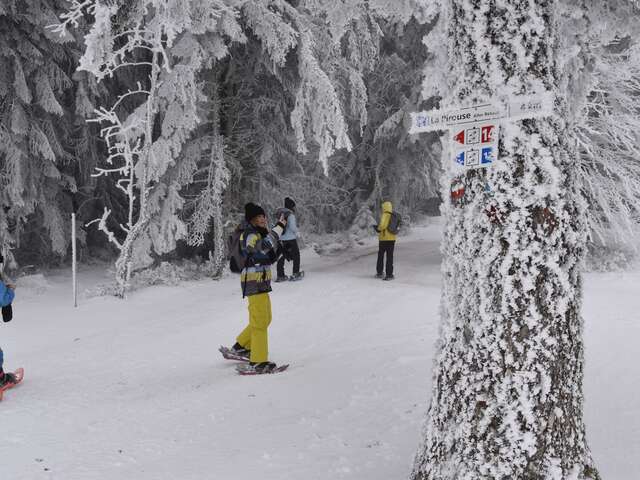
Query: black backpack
(237, 260)
(395, 222)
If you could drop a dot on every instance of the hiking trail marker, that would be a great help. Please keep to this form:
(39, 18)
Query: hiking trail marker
(474, 131)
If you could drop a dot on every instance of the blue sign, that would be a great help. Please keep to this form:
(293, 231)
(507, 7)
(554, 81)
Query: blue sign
(487, 156)
(460, 158)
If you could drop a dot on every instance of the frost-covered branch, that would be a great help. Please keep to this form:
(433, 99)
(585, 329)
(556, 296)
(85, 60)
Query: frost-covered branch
(102, 226)
(609, 141)
(76, 11)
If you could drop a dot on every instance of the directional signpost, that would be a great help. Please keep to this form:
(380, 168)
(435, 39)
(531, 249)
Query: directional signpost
(444, 119)
(474, 131)
(475, 146)
(531, 106)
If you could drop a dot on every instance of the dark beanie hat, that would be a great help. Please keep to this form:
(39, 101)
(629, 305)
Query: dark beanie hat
(289, 203)
(251, 211)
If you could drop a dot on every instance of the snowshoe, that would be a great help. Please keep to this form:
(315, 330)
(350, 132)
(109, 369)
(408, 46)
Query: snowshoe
(260, 368)
(389, 277)
(234, 353)
(281, 279)
(296, 277)
(379, 275)
(10, 380)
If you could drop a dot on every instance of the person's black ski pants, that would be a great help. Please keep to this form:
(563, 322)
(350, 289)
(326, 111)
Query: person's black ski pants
(385, 247)
(291, 253)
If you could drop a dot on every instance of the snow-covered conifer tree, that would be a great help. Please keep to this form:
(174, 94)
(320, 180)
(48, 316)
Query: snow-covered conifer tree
(608, 132)
(164, 44)
(507, 398)
(36, 158)
(383, 43)
(147, 125)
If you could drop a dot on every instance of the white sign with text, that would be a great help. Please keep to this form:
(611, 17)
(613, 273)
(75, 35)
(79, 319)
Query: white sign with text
(476, 129)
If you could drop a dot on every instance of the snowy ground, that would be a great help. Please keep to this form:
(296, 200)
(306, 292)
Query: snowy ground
(136, 389)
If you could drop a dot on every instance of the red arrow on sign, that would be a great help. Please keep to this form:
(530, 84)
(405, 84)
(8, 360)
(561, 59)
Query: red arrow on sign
(459, 137)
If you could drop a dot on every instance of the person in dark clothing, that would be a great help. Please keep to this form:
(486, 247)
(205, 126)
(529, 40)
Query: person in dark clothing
(385, 248)
(289, 243)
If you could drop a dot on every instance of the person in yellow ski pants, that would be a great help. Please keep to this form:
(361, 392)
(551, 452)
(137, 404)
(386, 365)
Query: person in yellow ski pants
(254, 336)
(259, 246)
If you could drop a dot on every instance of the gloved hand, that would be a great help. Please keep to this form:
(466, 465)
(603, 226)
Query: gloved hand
(375, 228)
(282, 222)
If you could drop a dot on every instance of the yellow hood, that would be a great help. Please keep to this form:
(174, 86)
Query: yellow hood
(387, 207)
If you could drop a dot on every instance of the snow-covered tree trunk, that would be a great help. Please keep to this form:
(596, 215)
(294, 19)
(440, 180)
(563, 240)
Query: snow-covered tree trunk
(507, 397)
(218, 179)
(124, 263)
(209, 208)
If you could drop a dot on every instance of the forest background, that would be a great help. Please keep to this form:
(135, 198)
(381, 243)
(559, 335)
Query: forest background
(155, 121)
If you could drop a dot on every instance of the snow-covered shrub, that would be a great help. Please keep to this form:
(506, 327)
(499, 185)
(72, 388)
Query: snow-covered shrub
(331, 243)
(362, 226)
(166, 273)
(609, 258)
(33, 285)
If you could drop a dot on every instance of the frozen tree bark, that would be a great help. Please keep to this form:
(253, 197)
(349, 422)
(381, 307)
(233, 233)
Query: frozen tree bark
(124, 263)
(507, 397)
(218, 179)
(209, 205)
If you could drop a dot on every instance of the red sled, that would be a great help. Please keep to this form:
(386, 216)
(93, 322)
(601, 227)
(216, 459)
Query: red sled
(19, 373)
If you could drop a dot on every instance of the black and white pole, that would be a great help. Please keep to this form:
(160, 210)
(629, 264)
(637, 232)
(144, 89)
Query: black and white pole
(73, 260)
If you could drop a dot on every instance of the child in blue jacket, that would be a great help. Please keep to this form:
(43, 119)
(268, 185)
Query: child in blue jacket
(7, 294)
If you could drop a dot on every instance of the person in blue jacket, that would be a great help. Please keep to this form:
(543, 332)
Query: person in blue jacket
(289, 242)
(7, 294)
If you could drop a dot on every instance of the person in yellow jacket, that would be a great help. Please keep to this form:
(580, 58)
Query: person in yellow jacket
(386, 244)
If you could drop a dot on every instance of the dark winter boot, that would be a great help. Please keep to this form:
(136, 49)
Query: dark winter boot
(281, 279)
(240, 351)
(7, 378)
(379, 275)
(263, 367)
(296, 276)
(389, 277)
